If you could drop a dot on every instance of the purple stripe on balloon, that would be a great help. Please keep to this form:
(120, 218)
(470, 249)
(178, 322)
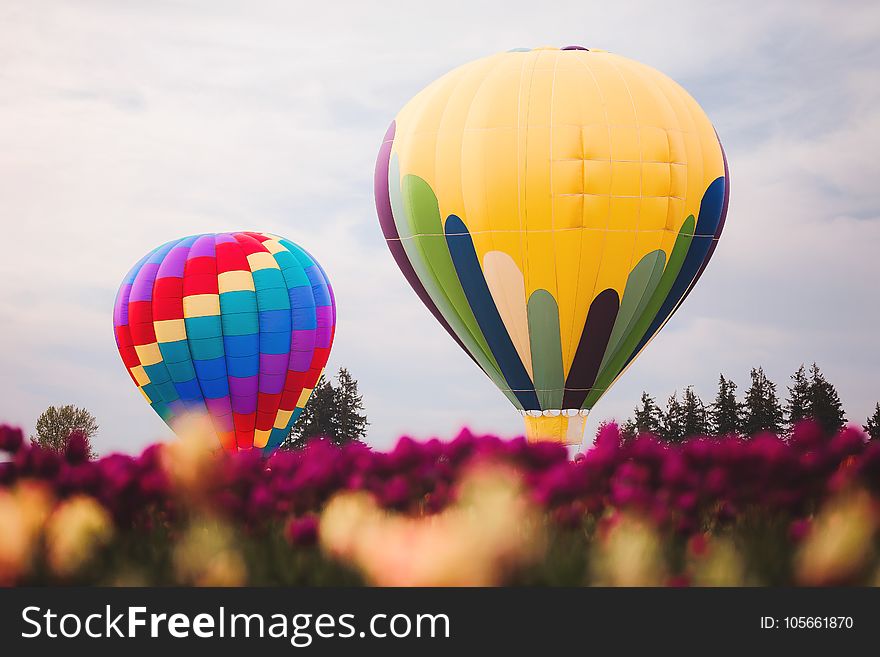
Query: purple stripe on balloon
(223, 238)
(142, 290)
(302, 340)
(219, 406)
(392, 237)
(120, 307)
(322, 336)
(203, 247)
(324, 316)
(246, 404)
(272, 384)
(274, 364)
(301, 360)
(240, 386)
(172, 265)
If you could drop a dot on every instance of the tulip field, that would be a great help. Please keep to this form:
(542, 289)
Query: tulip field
(475, 510)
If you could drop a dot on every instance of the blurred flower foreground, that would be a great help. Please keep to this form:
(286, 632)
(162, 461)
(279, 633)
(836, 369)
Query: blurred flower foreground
(474, 511)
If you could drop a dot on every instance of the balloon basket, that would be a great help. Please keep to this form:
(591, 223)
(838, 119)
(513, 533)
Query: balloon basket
(564, 429)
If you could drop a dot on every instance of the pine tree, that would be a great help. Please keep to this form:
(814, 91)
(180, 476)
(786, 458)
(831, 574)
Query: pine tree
(628, 430)
(351, 423)
(673, 420)
(648, 418)
(695, 421)
(762, 411)
(824, 402)
(56, 423)
(872, 425)
(725, 413)
(797, 406)
(332, 413)
(318, 419)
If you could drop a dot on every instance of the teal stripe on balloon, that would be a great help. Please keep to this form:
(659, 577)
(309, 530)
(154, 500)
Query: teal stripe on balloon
(546, 344)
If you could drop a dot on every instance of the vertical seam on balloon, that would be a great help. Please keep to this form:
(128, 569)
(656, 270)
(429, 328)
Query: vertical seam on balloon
(604, 234)
(479, 88)
(260, 345)
(632, 256)
(287, 244)
(170, 245)
(185, 334)
(234, 441)
(188, 348)
(555, 294)
(426, 262)
(524, 221)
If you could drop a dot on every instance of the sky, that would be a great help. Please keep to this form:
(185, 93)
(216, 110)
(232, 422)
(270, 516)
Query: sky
(124, 124)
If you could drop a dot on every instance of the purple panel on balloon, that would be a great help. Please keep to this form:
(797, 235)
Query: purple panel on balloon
(274, 364)
(219, 406)
(300, 360)
(272, 384)
(120, 308)
(324, 315)
(243, 385)
(322, 336)
(244, 405)
(203, 246)
(172, 265)
(142, 290)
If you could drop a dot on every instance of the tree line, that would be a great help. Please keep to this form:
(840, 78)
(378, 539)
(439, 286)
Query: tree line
(333, 412)
(810, 395)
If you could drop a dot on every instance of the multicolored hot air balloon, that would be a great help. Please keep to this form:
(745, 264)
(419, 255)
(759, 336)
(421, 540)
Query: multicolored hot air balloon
(235, 325)
(552, 208)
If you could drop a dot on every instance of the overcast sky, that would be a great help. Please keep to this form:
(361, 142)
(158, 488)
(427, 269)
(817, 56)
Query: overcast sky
(126, 124)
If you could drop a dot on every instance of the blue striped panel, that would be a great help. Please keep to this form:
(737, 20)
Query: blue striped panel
(242, 366)
(211, 369)
(275, 343)
(242, 345)
(275, 321)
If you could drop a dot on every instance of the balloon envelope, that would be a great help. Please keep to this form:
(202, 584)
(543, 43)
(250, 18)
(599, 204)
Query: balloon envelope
(552, 208)
(236, 325)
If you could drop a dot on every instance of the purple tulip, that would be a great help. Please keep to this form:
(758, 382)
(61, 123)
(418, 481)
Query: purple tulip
(302, 531)
(11, 439)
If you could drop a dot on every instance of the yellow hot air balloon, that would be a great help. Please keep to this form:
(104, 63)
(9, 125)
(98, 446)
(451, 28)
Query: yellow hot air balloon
(552, 208)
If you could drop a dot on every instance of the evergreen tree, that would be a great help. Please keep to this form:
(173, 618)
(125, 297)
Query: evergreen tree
(694, 419)
(797, 406)
(673, 420)
(648, 417)
(332, 413)
(762, 411)
(56, 423)
(872, 426)
(824, 403)
(351, 423)
(725, 413)
(317, 418)
(628, 430)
